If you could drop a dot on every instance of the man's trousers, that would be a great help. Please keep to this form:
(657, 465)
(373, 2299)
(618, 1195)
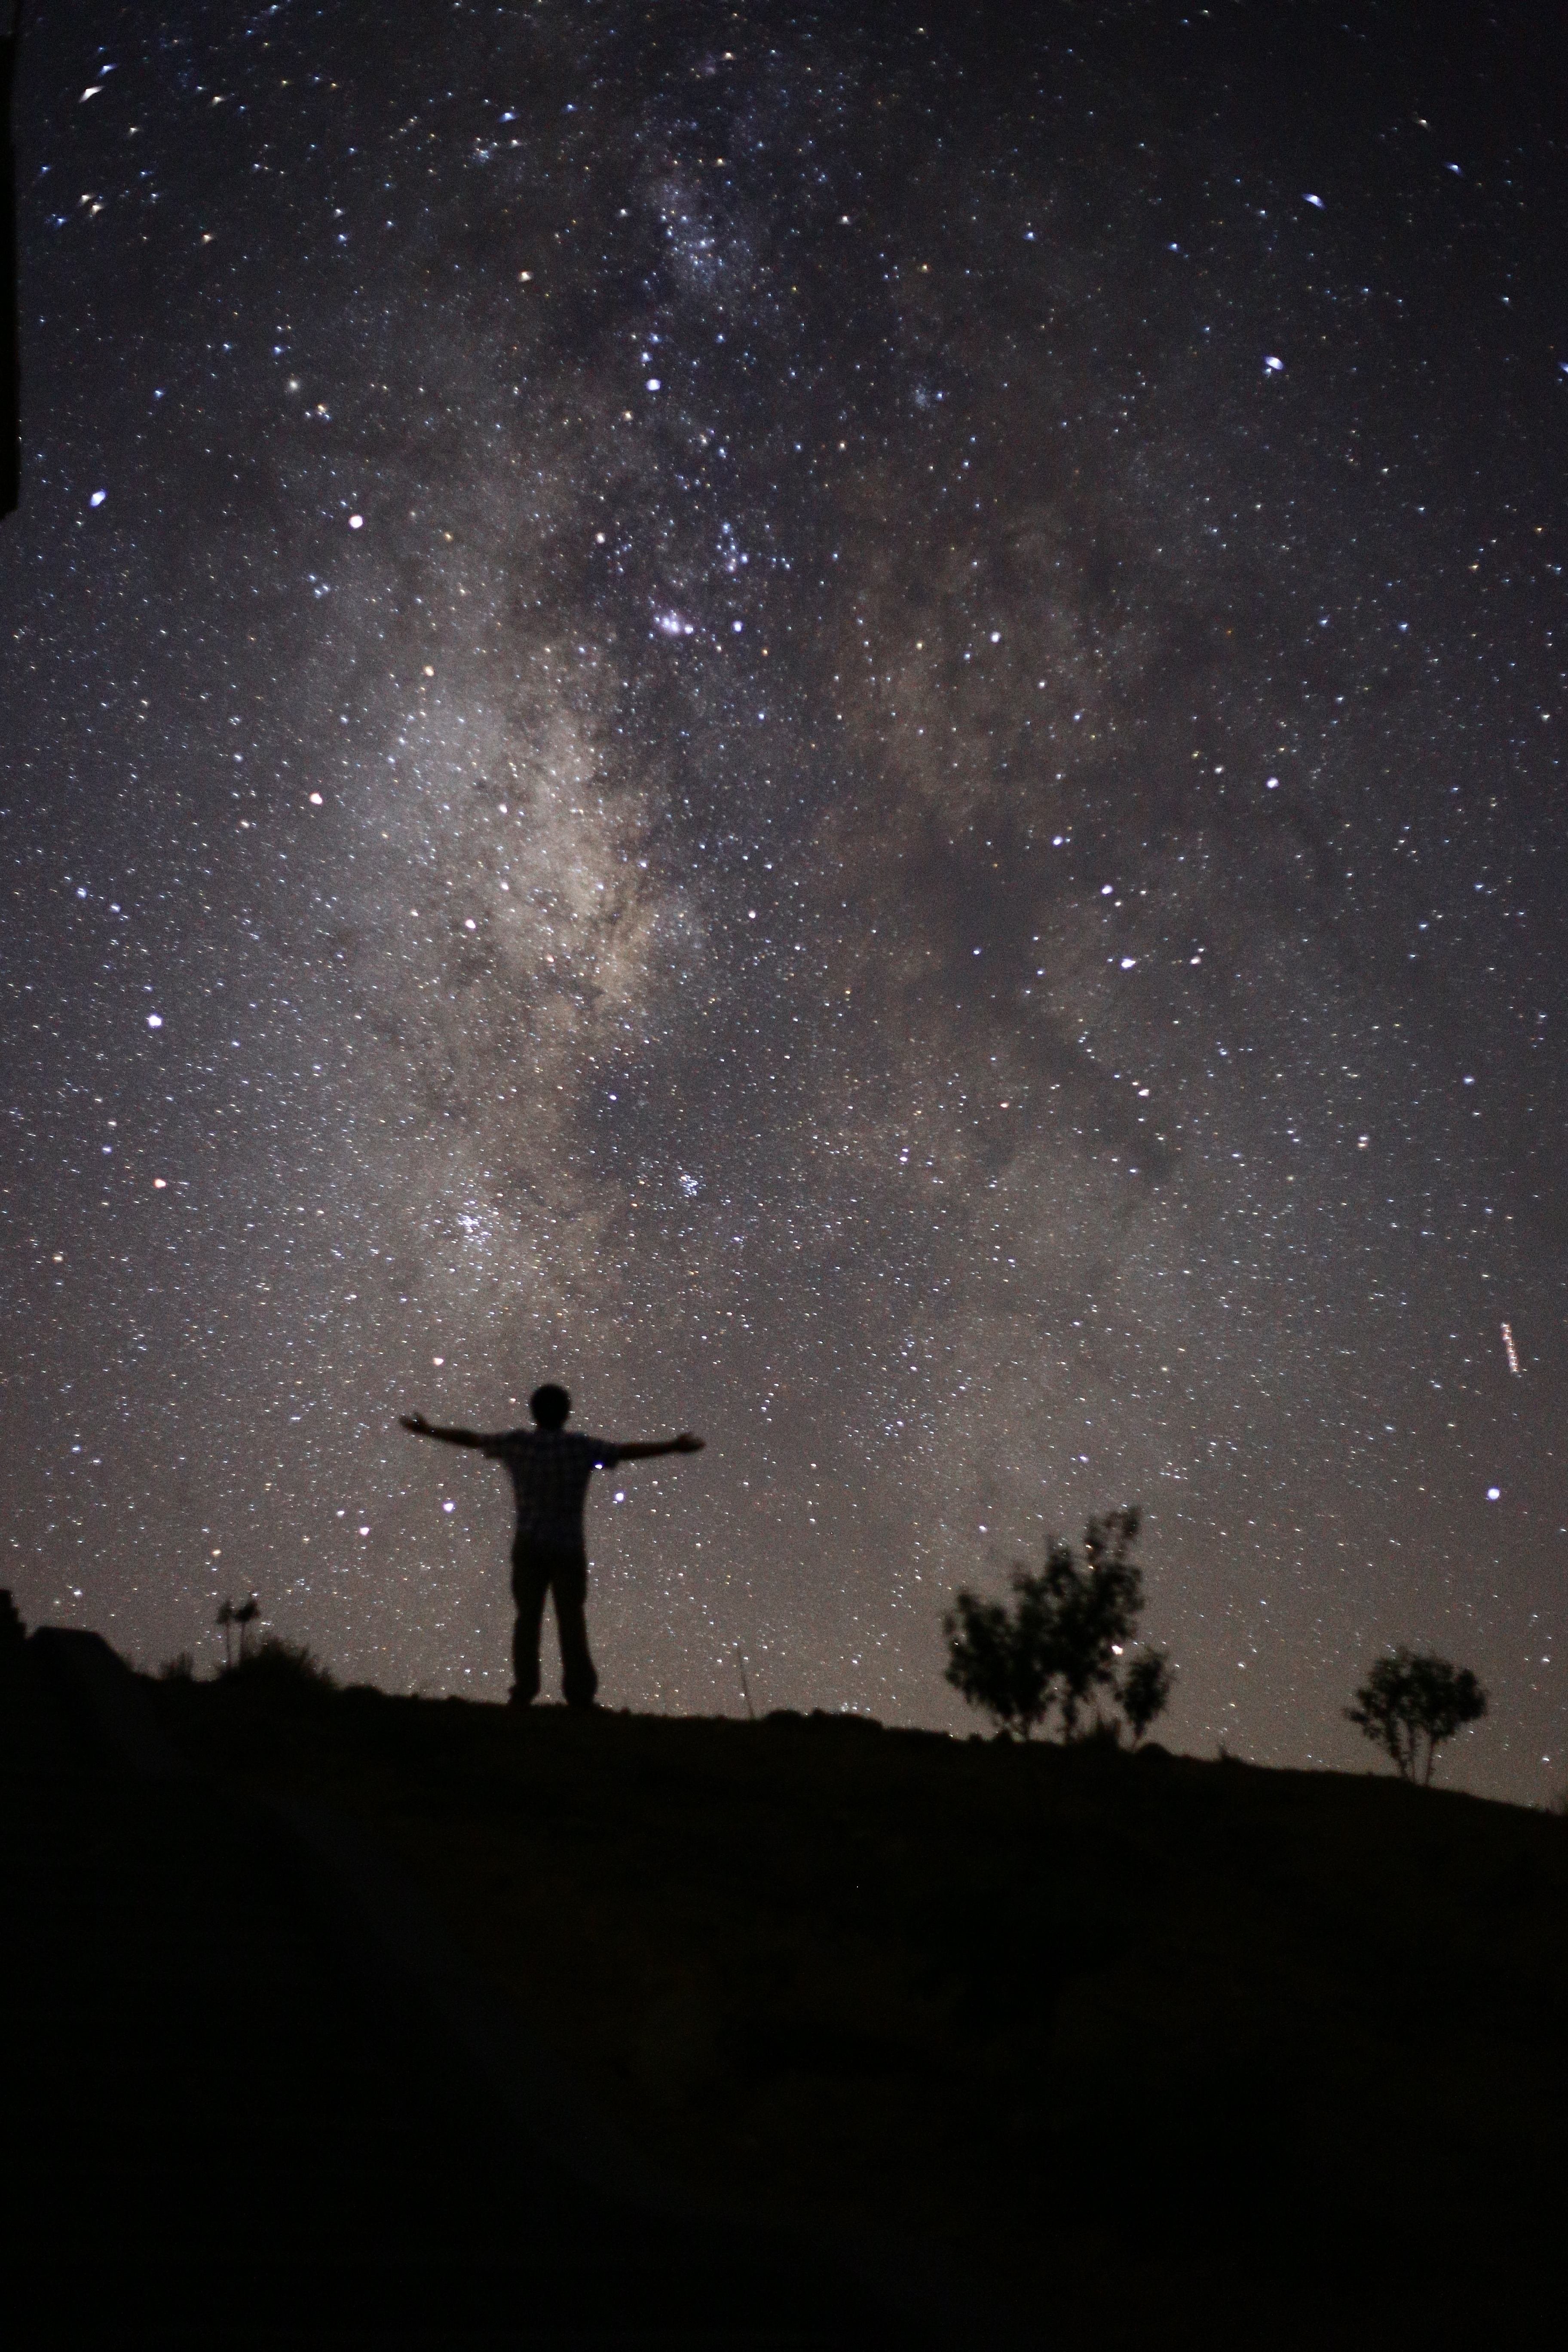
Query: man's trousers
(538, 1568)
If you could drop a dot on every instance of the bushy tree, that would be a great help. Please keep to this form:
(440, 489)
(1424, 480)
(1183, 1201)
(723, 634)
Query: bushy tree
(1057, 1644)
(1000, 1659)
(1146, 1692)
(1412, 1697)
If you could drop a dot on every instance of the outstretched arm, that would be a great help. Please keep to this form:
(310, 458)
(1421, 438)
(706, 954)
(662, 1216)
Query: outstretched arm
(420, 1427)
(684, 1443)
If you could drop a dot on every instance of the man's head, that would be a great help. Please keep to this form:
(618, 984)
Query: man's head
(550, 1405)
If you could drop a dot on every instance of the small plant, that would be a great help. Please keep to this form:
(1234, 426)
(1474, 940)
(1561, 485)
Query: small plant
(180, 1669)
(1000, 1661)
(1412, 1697)
(1056, 1647)
(1146, 1692)
(240, 1614)
(285, 1666)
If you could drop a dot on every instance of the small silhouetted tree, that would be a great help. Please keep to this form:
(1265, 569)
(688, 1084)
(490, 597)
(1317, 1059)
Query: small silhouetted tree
(1412, 1697)
(1056, 1645)
(1096, 1604)
(1146, 1692)
(242, 1614)
(1000, 1659)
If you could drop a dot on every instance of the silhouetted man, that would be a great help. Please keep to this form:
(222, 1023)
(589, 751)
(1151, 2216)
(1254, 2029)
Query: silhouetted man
(551, 1466)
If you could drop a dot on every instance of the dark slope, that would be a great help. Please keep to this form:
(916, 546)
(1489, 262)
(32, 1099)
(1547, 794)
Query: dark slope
(1172, 2051)
(238, 2125)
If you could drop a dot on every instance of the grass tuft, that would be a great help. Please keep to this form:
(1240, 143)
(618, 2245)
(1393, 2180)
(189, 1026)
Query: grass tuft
(282, 1668)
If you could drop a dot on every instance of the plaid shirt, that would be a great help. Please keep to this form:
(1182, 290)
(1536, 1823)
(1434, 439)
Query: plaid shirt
(550, 1473)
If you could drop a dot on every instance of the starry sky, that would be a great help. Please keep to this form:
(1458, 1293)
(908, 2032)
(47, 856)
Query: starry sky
(844, 723)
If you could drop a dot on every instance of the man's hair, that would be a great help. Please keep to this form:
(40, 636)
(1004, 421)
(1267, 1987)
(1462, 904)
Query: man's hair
(550, 1405)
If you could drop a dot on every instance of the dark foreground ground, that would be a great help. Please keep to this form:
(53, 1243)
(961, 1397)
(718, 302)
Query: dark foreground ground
(255, 2098)
(1138, 2051)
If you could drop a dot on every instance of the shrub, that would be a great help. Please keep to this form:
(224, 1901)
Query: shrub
(1002, 1663)
(282, 1666)
(1146, 1691)
(1056, 1645)
(1412, 1697)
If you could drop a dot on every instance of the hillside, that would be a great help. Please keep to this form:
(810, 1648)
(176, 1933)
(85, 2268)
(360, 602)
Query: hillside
(1145, 2047)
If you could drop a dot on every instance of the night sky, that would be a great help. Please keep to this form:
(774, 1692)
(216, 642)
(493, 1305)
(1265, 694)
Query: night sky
(845, 724)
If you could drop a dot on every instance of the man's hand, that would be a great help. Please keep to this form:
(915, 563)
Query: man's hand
(416, 1424)
(687, 1443)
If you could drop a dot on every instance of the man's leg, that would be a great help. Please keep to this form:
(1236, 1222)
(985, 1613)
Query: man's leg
(578, 1679)
(530, 1583)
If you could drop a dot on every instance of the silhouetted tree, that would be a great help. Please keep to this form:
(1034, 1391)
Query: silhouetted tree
(1412, 1697)
(240, 1613)
(1002, 1662)
(1058, 1644)
(1096, 1604)
(1145, 1692)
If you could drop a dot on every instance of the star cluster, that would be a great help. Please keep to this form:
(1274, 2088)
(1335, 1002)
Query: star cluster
(848, 728)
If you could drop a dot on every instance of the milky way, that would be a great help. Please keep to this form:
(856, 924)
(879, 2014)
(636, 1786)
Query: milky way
(850, 731)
